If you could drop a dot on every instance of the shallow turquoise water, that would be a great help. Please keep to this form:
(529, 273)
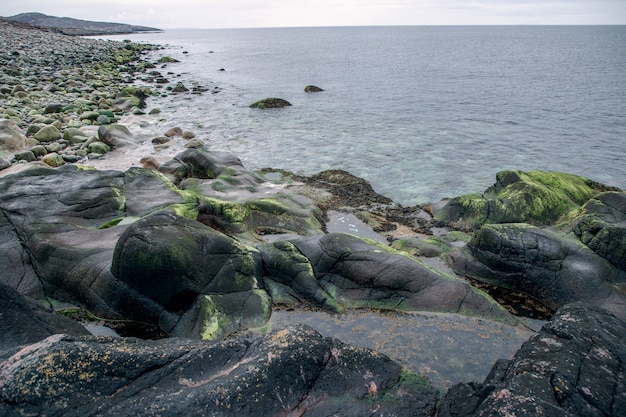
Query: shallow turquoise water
(421, 112)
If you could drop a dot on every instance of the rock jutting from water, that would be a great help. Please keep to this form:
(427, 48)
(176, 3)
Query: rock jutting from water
(312, 89)
(270, 103)
(198, 251)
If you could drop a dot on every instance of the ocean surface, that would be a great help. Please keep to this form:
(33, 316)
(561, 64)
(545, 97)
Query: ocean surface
(422, 113)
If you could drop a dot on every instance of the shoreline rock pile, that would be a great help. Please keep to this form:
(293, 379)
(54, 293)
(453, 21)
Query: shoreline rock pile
(201, 250)
(56, 90)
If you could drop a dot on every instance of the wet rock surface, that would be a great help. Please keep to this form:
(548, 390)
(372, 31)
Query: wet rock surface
(24, 321)
(602, 227)
(551, 268)
(572, 367)
(293, 370)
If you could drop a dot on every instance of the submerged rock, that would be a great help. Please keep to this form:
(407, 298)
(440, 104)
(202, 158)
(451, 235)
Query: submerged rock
(179, 88)
(115, 136)
(167, 60)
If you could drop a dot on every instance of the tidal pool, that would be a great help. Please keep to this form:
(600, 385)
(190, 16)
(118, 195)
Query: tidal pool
(445, 348)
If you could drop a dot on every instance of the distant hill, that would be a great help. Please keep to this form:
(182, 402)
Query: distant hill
(70, 26)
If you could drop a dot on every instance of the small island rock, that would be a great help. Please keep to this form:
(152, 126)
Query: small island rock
(312, 89)
(270, 103)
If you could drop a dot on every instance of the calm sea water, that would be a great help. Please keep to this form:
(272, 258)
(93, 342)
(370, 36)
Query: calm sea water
(422, 113)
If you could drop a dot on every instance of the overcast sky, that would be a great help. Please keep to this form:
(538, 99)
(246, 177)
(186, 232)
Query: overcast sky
(278, 13)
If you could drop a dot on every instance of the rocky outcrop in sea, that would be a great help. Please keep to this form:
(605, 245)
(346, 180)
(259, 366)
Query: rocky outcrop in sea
(189, 255)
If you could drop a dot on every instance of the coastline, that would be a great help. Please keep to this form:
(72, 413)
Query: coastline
(71, 83)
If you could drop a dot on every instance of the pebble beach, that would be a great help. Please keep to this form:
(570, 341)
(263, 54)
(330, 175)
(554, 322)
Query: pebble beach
(56, 91)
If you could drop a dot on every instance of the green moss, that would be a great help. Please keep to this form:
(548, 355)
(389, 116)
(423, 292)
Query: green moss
(111, 223)
(69, 312)
(429, 247)
(268, 205)
(214, 320)
(410, 378)
(167, 60)
(229, 211)
(457, 236)
(536, 197)
(187, 210)
(84, 167)
(136, 91)
(169, 257)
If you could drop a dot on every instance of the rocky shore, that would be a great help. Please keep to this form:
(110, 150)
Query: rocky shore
(187, 255)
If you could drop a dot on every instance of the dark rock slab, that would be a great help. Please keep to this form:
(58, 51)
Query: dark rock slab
(24, 321)
(361, 273)
(573, 367)
(289, 276)
(168, 262)
(293, 371)
(51, 219)
(548, 267)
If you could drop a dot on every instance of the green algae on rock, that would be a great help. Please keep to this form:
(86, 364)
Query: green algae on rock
(270, 103)
(535, 197)
(601, 225)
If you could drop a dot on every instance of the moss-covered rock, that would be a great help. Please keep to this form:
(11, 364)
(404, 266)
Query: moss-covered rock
(535, 197)
(172, 261)
(72, 132)
(39, 150)
(270, 103)
(167, 59)
(27, 156)
(53, 159)
(115, 135)
(429, 247)
(601, 226)
(48, 133)
(290, 277)
(284, 214)
(360, 273)
(99, 148)
(217, 315)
